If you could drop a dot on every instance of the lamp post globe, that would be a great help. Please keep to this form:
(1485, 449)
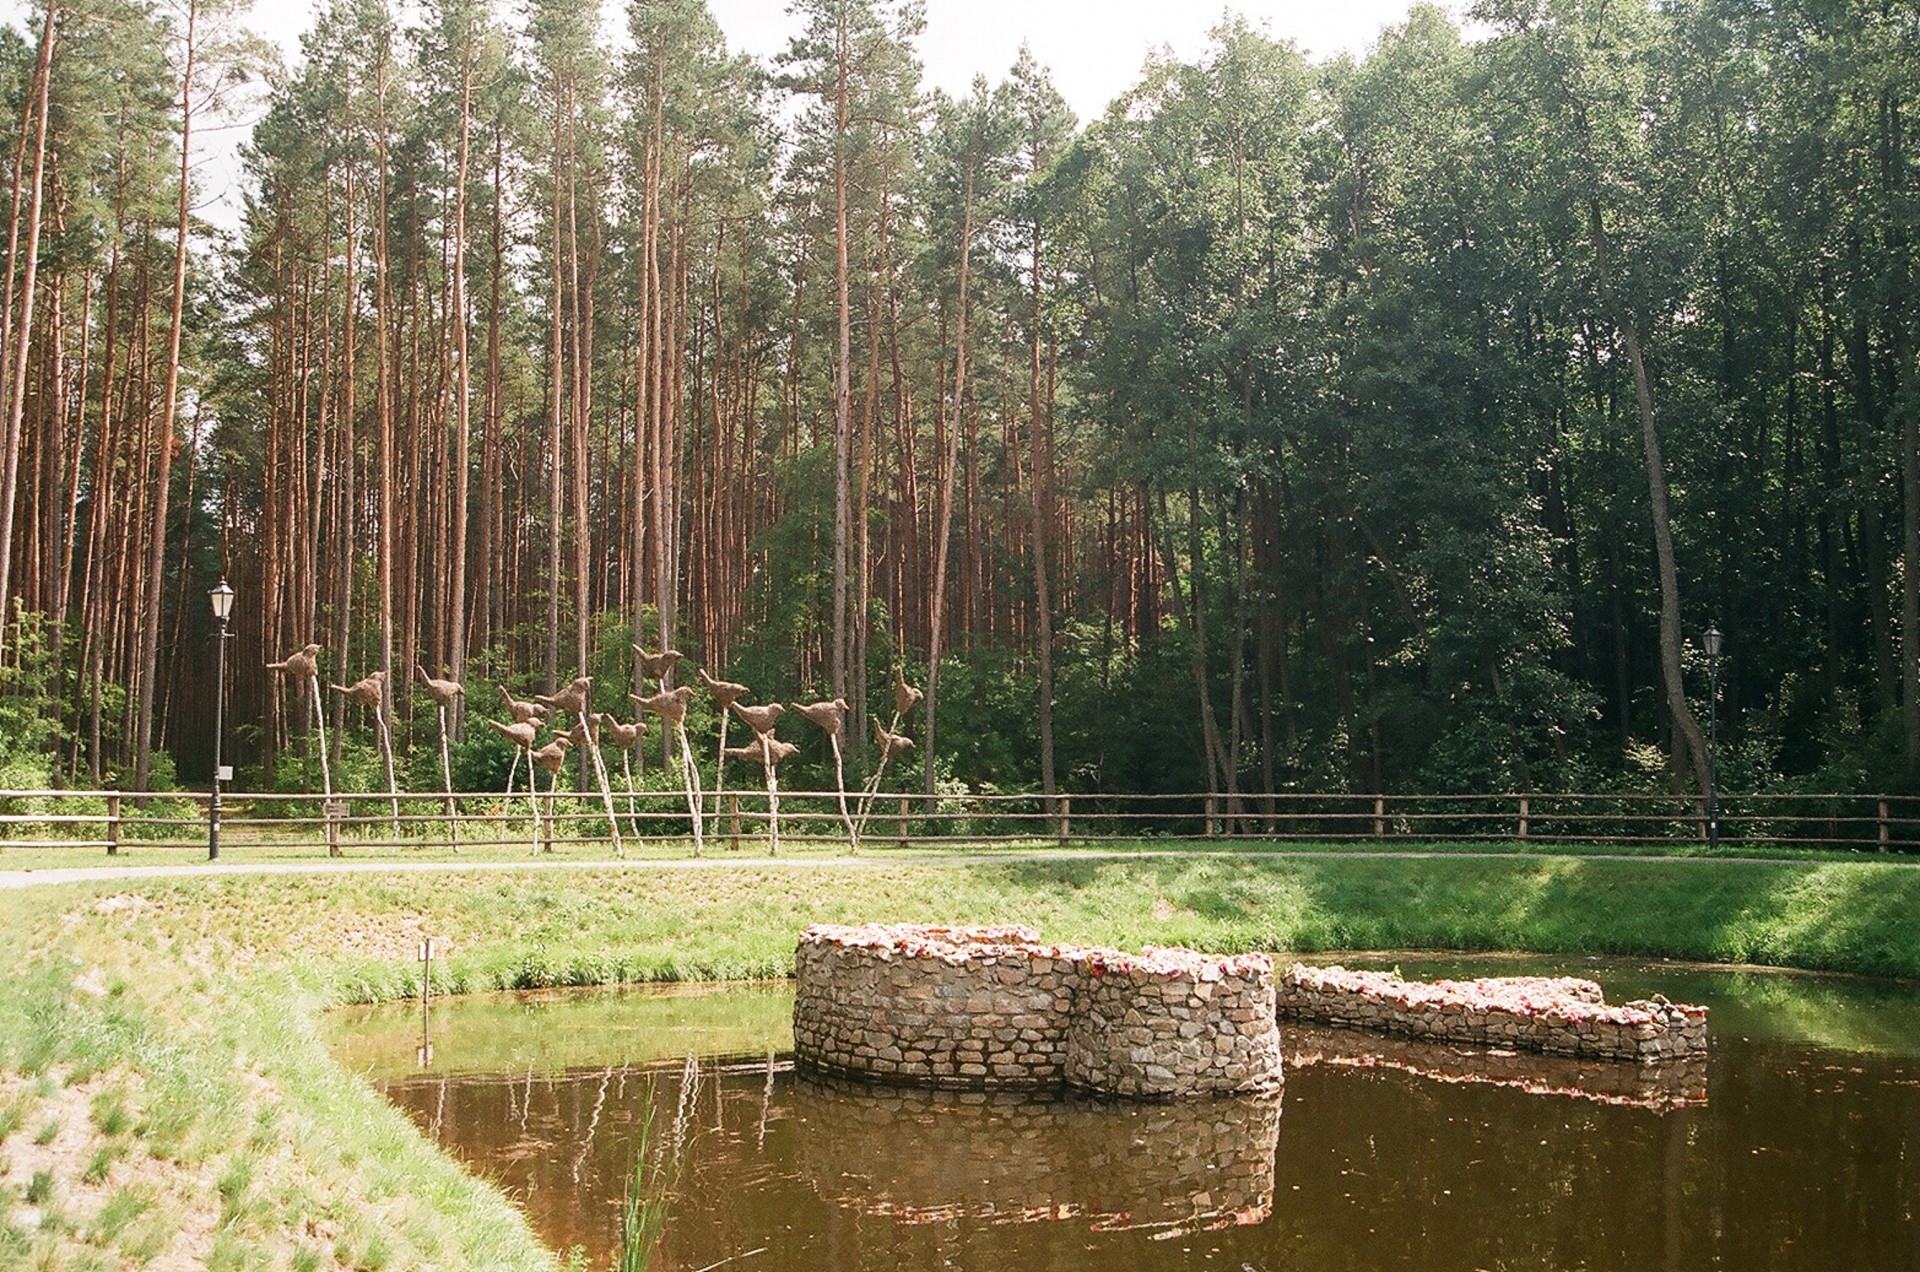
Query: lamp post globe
(220, 597)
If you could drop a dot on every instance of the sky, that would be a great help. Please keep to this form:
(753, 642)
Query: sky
(1094, 48)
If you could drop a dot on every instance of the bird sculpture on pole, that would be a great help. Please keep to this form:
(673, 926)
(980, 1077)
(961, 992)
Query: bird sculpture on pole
(831, 716)
(724, 693)
(892, 742)
(671, 706)
(522, 733)
(303, 667)
(624, 738)
(769, 750)
(552, 757)
(371, 691)
(573, 701)
(445, 694)
(586, 733)
(523, 713)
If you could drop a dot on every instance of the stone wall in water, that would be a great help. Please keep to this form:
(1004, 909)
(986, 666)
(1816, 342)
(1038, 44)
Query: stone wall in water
(992, 1007)
(1558, 1015)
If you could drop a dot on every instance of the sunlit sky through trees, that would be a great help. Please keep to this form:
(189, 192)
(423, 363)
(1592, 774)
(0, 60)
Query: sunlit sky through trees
(1095, 48)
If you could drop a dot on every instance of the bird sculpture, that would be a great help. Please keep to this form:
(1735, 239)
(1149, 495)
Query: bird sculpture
(624, 738)
(904, 696)
(831, 715)
(659, 665)
(725, 692)
(522, 734)
(671, 705)
(769, 751)
(760, 719)
(668, 703)
(552, 757)
(443, 692)
(572, 699)
(368, 691)
(520, 710)
(371, 691)
(301, 665)
(891, 744)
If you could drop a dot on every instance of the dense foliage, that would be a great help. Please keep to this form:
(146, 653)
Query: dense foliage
(1384, 423)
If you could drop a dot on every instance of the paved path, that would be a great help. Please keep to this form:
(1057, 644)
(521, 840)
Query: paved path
(14, 879)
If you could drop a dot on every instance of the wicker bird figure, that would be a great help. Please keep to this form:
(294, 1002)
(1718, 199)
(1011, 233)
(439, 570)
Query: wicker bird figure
(830, 715)
(892, 745)
(521, 732)
(302, 665)
(443, 692)
(764, 749)
(583, 733)
(553, 756)
(904, 694)
(760, 719)
(366, 691)
(572, 699)
(725, 692)
(659, 665)
(618, 735)
(521, 711)
(669, 703)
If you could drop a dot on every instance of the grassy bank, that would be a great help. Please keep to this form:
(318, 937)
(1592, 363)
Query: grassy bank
(164, 1093)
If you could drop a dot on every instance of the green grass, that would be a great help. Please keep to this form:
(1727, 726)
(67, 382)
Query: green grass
(190, 1007)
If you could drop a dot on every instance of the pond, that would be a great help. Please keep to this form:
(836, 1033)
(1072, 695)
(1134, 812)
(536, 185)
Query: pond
(1796, 1144)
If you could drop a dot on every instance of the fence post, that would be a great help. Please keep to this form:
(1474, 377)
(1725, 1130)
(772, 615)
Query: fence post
(900, 827)
(1884, 828)
(733, 822)
(1379, 816)
(1524, 811)
(1213, 815)
(1065, 806)
(113, 825)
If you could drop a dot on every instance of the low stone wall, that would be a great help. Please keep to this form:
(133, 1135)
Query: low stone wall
(992, 1007)
(1560, 1016)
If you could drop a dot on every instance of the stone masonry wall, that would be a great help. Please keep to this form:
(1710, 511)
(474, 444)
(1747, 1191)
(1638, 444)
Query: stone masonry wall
(1560, 1016)
(993, 1007)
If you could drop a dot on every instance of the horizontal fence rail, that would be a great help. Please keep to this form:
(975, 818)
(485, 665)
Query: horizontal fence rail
(112, 821)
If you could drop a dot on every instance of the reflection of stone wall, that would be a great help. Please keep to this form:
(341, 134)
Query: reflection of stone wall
(922, 1156)
(1563, 1015)
(984, 1008)
(1679, 1084)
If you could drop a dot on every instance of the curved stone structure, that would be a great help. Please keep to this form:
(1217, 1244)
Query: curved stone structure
(992, 1007)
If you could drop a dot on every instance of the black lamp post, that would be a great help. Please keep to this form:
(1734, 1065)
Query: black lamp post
(1713, 640)
(221, 597)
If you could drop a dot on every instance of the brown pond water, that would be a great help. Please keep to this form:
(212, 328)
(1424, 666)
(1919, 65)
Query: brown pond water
(1796, 1145)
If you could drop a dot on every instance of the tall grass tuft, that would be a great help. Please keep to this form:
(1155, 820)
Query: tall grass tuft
(643, 1211)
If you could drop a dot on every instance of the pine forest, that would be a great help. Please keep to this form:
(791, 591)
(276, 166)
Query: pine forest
(1383, 423)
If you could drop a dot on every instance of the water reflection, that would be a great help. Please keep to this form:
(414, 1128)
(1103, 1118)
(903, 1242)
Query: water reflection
(1389, 1154)
(1675, 1084)
(1008, 1158)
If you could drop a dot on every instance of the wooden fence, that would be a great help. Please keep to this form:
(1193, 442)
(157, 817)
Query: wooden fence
(111, 821)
